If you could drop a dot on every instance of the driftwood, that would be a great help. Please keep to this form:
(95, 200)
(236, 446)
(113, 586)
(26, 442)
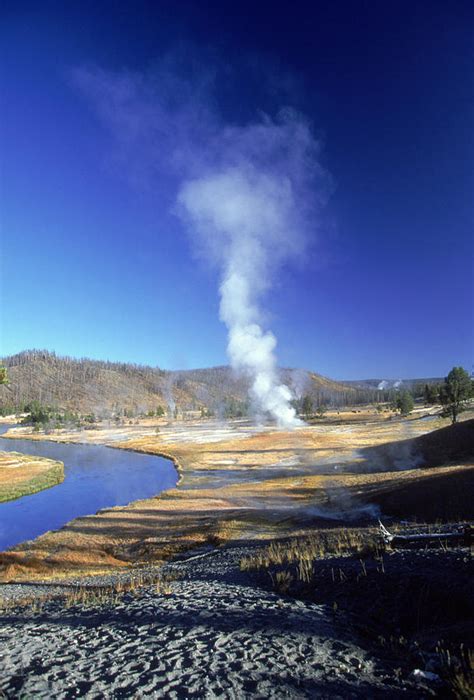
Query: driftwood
(463, 536)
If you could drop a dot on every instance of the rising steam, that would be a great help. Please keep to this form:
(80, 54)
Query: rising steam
(250, 196)
(243, 213)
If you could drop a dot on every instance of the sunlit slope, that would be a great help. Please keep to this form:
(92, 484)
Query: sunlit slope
(93, 386)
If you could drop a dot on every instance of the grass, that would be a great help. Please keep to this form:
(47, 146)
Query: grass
(457, 670)
(304, 551)
(92, 596)
(97, 596)
(22, 475)
(275, 488)
(296, 558)
(403, 601)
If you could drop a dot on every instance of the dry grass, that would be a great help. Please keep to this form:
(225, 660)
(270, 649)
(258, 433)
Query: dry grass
(21, 475)
(93, 596)
(303, 552)
(458, 671)
(292, 564)
(276, 488)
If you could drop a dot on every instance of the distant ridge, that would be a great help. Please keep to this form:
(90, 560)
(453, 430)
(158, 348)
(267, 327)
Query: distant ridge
(101, 387)
(387, 383)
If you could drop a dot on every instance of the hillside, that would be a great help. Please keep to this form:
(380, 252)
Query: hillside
(100, 387)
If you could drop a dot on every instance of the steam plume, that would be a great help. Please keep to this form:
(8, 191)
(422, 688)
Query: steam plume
(250, 196)
(244, 213)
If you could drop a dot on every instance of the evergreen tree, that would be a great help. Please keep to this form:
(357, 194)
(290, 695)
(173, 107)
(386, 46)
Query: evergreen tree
(307, 405)
(404, 402)
(455, 391)
(430, 394)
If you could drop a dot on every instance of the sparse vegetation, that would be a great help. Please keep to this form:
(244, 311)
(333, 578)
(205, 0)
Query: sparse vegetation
(457, 669)
(114, 388)
(398, 600)
(346, 569)
(304, 551)
(94, 596)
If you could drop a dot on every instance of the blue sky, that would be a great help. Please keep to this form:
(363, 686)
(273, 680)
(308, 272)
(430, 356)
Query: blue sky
(96, 263)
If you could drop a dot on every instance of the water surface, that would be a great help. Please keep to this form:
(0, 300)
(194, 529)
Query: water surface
(95, 477)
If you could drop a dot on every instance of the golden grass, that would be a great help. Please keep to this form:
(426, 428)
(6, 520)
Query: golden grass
(96, 596)
(21, 475)
(260, 502)
(304, 551)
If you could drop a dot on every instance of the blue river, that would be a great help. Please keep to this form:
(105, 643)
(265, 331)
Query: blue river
(96, 477)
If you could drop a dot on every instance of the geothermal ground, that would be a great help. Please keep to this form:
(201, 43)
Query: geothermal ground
(244, 481)
(242, 615)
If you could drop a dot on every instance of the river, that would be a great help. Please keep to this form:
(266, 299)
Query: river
(95, 477)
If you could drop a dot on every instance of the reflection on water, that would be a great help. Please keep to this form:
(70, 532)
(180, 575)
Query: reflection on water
(95, 477)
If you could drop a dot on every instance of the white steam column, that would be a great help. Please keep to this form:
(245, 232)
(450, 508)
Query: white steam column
(242, 215)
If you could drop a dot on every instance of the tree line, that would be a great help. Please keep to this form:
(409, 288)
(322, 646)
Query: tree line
(123, 390)
(453, 395)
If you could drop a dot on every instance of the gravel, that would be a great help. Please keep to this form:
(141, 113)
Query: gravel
(215, 634)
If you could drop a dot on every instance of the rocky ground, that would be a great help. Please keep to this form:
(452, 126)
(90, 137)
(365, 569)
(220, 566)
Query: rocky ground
(210, 632)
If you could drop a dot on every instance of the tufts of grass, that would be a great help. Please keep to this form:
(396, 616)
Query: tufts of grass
(304, 551)
(95, 596)
(282, 582)
(458, 671)
(33, 603)
(296, 557)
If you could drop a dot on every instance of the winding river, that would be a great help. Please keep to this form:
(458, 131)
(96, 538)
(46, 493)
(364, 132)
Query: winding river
(95, 477)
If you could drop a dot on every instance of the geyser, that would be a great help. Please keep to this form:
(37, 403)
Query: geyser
(250, 195)
(244, 214)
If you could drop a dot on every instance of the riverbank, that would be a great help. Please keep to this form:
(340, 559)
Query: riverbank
(22, 475)
(226, 616)
(241, 481)
(96, 477)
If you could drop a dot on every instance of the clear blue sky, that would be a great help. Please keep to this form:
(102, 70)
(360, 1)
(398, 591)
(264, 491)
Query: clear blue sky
(95, 266)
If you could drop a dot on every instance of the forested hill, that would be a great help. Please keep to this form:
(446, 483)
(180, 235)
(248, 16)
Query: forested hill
(102, 388)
